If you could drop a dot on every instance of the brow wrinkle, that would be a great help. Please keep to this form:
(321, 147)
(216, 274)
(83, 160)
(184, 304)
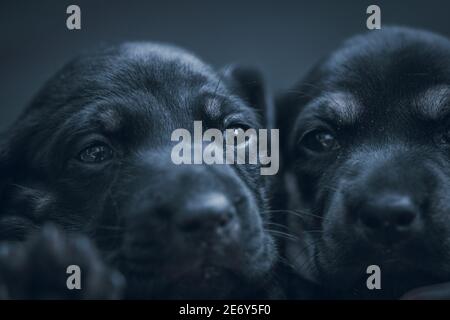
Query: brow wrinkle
(341, 104)
(434, 103)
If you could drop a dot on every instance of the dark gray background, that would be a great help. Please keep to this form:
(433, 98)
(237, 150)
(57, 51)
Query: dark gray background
(284, 38)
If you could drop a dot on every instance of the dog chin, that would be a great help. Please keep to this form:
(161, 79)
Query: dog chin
(196, 282)
(207, 282)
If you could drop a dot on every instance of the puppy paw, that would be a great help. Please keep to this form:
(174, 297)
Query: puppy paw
(53, 265)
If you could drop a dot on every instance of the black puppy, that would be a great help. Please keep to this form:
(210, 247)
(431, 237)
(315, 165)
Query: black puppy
(367, 166)
(92, 155)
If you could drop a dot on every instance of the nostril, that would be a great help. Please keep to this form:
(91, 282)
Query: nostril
(224, 219)
(371, 221)
(190, 226)
(404, 218)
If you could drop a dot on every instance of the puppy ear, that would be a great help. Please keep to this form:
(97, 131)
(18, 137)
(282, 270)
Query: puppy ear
(17, 201)
(10, 163)
(289, 104)
(286, 110)
(249, 84)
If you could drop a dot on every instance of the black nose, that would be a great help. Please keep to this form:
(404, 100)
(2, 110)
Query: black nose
(389, 218)
(207, 215)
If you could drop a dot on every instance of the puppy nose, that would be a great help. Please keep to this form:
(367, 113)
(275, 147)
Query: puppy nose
(210, 214)
(389, 218)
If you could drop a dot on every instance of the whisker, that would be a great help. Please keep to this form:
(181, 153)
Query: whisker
(312, 231)
(334, 189)
(285, 262)
(283, 235)
(298, 213)
(276, 225)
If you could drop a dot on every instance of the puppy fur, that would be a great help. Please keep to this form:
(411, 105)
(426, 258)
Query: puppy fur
(91, 154)
(366, 166)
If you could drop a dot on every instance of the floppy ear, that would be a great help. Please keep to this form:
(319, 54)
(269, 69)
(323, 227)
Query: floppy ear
(16, 203)
(289, 103)
(12, 152)
(249, 84)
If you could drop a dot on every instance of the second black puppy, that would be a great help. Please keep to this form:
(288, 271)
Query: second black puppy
(92, 154)
(367, 157)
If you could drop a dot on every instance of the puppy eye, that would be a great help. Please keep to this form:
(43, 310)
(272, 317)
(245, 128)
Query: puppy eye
(320, 141)
(235, 135)
(96, 154)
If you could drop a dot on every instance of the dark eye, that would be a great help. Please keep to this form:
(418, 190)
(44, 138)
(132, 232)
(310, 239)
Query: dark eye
(96, 154)
(320, 141)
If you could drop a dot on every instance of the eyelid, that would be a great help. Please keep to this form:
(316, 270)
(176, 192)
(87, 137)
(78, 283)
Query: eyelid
(311, 127)
(88, 141)
(236, 120)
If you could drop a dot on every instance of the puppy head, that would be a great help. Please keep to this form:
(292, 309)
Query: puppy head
(368, 162)
(92, 153)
